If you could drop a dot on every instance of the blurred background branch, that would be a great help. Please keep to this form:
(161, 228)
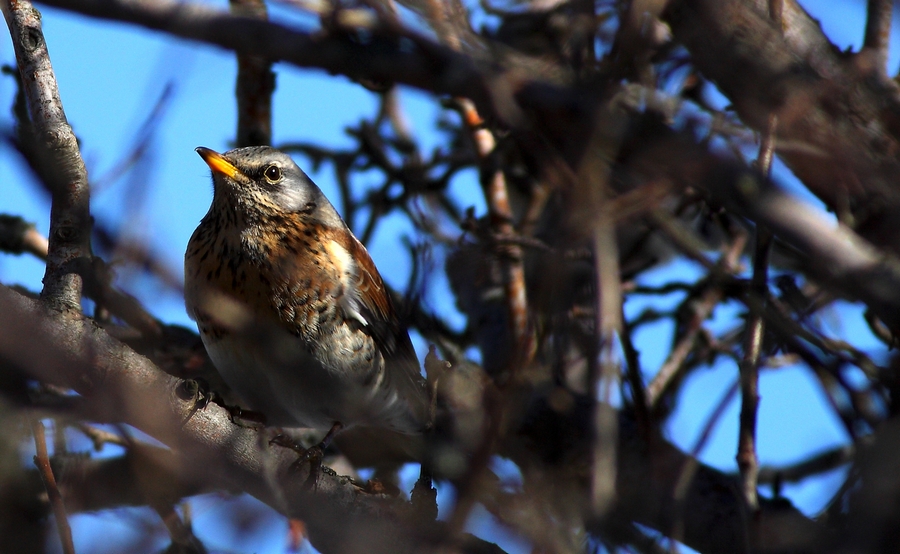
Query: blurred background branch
(577, 233)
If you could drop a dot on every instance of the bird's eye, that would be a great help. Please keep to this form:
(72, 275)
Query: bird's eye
(273, 173)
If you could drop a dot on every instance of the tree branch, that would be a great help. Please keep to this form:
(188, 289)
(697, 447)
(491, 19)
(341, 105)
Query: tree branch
(838, 129)
(70, 218)
(378, 56)
(254, 87)
(69, 350)
(878, 33)
(830, 254)
(42, 461)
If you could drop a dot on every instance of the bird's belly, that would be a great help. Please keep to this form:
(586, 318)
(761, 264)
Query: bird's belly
(276, 373)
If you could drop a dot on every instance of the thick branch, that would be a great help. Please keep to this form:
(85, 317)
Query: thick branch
(69, 350)
(70, 219)
(209, 450)
(833, 255)
(838, 124)
(144, 476)
(378, 56)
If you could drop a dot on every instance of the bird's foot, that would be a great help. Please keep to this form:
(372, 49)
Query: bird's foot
(199, 392)
(245, 418)
(312, 455)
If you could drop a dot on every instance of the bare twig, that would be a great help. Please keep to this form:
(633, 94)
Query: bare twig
(180, 532)
(255, 84)
(100, 437)
(849, 164)
(501, 220)
(754, 333)
(60, 347)
(42, 461)
(776, 12)
(819, 463)
(472, 484)
(701, 311)
(143, 475)
(70, 219)
(635, 379)
(608, 322)
(18, 236)
(692, 464)
(683, 238)
(878, 32)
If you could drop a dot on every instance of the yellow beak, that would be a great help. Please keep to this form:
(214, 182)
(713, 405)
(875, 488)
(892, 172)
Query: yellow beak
(218, 163)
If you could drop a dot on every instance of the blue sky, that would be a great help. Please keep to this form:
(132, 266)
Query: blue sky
(106, 107)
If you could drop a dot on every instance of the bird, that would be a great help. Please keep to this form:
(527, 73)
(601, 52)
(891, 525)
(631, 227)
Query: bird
(290, 306)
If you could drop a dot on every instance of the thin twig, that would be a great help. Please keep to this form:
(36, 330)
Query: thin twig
(378, 56)
(682, 237)
(608, 322)
(471, 485)
(815, 465)
(180, 532)
(255, 85)
(692, 463)
(101, 437)
(747, 460)
(878, 32)
(776, 11)
(501, 220)
(635, 378)
(18, 236)
(70, 218)
(702, 309)
(42, 461)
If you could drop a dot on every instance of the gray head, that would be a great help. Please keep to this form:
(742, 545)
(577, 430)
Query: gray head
(264, 179)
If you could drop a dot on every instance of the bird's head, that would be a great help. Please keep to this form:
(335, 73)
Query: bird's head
(266, 180)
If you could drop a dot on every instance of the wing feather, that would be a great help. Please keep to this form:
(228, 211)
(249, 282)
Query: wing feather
(371, 303)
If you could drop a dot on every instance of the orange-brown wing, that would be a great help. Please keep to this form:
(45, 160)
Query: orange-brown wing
(382, 320)
(378, 309)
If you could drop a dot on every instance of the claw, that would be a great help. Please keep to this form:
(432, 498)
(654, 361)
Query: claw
(197, 391)
(313, 454)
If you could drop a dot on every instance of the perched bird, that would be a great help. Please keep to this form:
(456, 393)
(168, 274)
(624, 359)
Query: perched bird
(290, 306)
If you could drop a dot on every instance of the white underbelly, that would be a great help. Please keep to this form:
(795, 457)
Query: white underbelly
(276, 375)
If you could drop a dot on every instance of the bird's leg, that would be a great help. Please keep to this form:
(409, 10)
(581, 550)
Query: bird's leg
(238, 415)
(199, 391)
(313, 454)
(424, 497)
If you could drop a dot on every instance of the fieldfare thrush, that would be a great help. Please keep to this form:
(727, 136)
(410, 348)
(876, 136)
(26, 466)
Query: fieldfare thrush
(290, 306)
